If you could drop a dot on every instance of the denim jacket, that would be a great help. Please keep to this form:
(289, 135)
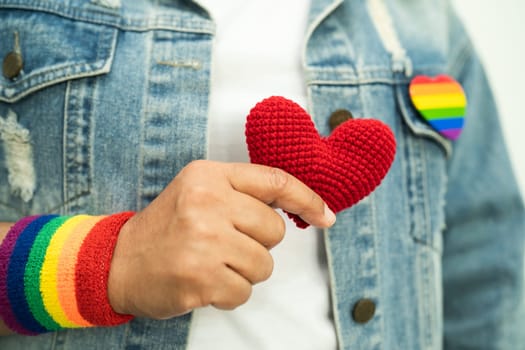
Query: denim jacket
(112, 103)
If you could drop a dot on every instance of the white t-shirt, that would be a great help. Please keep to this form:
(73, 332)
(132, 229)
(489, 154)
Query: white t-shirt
(257, 53)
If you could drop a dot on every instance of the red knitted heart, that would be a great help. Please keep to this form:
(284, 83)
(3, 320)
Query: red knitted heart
(342, 168)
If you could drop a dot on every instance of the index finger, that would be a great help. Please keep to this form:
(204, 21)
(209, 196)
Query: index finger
(276, 187)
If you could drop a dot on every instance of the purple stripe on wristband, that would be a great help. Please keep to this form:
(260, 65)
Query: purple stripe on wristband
(6, 248)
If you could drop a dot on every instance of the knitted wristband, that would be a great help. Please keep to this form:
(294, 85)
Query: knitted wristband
(54, 272)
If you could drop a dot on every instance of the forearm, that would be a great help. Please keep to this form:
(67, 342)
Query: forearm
(4, 227)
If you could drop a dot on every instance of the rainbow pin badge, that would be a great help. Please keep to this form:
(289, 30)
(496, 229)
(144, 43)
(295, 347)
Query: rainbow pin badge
(441, 101)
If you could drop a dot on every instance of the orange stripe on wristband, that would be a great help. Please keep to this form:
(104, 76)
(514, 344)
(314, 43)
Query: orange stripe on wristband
(48, 274)
(66, 271)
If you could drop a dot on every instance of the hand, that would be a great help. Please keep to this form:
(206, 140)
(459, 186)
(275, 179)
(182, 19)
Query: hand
(205, 239)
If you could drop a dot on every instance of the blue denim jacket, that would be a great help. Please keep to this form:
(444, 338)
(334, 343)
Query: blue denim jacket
(114, 100)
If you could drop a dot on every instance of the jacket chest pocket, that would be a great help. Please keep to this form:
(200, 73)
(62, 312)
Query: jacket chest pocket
(46, 109)
(424, 153)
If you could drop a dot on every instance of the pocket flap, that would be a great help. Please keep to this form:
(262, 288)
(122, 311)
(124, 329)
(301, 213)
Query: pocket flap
(53, 49)
(416, 123)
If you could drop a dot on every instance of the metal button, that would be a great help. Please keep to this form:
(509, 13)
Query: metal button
(13, 62)
(363, 310)
(12, 65)
(339, 117)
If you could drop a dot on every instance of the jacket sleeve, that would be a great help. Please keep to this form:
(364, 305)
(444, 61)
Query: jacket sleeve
(484, 239)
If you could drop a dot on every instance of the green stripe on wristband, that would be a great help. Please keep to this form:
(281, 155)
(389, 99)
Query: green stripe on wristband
(32, 273)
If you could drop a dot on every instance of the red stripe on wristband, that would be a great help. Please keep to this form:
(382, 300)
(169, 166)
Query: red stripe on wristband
(92, 272)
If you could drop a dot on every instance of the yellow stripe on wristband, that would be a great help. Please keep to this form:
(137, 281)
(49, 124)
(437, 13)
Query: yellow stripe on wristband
(67, 268)
(49, 273)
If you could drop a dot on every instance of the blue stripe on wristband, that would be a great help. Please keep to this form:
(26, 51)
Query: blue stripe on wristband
(15, 276)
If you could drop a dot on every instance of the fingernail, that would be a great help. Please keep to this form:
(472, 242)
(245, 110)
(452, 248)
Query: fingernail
(329, 215)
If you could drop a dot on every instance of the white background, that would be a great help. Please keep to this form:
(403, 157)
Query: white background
(498, 31)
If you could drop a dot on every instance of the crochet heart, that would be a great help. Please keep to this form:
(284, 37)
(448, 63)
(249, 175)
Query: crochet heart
(342, 168)
(441, 101)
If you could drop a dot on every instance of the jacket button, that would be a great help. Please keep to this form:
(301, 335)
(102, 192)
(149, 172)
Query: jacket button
(12, 65)
(339, 117)
(363, 310)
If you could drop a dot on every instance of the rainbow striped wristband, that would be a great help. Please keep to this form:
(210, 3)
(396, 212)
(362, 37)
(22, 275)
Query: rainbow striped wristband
(54, 272)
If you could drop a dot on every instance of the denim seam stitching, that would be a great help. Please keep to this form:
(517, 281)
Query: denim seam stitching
(192, 25)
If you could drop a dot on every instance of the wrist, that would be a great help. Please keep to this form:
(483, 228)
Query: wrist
(4, 228)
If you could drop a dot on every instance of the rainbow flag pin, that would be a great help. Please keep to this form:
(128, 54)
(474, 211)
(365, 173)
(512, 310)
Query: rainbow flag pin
(441, 101)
